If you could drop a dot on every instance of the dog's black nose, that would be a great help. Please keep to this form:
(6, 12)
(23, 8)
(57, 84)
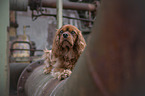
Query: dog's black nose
(65, 35)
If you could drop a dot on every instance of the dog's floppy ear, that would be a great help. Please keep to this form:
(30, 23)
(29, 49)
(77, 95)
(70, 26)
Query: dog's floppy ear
(80, 43)
(55, 46)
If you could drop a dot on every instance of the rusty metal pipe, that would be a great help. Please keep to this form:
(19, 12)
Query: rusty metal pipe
(22, 5)
(18, 5)
(81, 19)
(33, 82)
(69, 5)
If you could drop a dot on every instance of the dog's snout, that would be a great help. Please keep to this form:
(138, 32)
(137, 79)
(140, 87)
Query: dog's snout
(65, 35)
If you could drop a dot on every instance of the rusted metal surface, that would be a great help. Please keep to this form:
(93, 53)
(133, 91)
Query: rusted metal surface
(69, 5)
(38, 4)
(23, 4)
(15, 71)
(40, 84)
(32, 51)
(21, 42)
(33, 82)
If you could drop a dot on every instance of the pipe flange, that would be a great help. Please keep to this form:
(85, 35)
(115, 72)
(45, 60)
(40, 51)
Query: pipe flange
(34, 4)
(24, 76)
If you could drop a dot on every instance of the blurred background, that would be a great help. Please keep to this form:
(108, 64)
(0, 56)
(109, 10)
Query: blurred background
(35, 22)
(111, 65)
(31, 28)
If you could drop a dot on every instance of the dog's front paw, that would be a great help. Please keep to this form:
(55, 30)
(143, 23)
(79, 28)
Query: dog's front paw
(66, 73)
(61, 73)
(47, 70)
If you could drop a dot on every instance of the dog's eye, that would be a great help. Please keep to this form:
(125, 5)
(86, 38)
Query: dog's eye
(72, 32)
(61, 32)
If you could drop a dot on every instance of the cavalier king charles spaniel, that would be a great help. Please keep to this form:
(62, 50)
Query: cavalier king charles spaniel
(67, 46)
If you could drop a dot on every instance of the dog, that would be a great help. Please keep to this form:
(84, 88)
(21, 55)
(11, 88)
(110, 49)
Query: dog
(68, 44)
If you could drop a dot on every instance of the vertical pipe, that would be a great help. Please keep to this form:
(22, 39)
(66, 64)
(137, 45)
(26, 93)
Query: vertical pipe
(59, 13)
(4, 68)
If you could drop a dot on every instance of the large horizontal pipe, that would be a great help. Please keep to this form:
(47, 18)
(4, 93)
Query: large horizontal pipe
(21, 5)
(33, 82)
(69, 5)
(18, 5)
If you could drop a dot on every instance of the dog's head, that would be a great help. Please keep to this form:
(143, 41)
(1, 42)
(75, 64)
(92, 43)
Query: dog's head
(68, 37)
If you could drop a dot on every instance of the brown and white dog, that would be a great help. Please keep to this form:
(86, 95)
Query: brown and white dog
(67, 46)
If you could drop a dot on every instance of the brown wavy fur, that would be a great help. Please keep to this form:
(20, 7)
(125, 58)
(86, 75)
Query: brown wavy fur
(66, 51)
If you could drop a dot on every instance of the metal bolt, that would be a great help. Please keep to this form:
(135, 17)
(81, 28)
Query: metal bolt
(29, 69)
(20, 89)
(39, 62)
(23, 77)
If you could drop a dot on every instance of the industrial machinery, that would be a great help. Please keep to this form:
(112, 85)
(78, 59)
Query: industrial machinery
(111, 65)
(26, 48)
(22, 49)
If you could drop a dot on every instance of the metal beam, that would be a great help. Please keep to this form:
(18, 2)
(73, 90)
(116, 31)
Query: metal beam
(4, 67)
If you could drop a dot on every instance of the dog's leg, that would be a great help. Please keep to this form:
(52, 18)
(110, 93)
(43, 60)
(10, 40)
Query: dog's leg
(61, 73)
(47, 70)
(47, 61)
(48, 66)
